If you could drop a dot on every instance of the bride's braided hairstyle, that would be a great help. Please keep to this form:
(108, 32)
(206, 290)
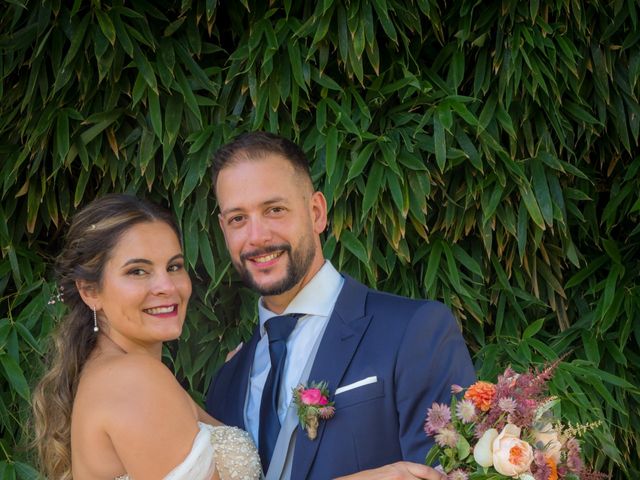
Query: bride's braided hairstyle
(93, 234)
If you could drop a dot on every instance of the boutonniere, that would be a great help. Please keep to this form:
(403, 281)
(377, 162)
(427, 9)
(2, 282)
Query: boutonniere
(313, 404)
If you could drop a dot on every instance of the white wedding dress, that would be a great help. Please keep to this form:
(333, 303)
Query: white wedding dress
(227, 450)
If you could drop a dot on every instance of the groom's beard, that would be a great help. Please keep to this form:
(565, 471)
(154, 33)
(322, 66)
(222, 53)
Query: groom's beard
(298, 265)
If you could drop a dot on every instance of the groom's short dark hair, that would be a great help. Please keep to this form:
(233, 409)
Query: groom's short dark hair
(256, 146)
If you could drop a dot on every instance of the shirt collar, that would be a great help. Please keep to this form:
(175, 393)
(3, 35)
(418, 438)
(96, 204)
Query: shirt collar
(316, 298)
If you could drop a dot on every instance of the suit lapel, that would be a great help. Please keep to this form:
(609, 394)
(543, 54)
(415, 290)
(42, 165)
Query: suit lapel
(339, 343)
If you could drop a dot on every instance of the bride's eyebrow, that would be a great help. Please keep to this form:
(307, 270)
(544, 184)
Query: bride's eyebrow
(132, 261)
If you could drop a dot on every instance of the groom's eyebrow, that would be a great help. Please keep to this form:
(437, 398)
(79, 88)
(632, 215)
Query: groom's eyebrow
(266, 203)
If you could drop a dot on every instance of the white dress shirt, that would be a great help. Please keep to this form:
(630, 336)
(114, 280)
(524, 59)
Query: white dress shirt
(315, 302)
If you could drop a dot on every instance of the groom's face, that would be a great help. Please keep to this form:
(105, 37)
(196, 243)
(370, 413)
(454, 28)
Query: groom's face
(271, 219)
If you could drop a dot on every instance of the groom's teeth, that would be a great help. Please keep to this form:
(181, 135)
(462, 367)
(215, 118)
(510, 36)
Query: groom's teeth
(266, 258)
(158, 310)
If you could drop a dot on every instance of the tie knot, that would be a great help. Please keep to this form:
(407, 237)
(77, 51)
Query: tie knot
(279, 328)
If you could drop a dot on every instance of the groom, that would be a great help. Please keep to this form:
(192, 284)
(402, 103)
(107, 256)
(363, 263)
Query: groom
(385, 358)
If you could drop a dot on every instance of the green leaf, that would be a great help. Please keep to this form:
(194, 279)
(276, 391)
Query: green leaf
(331, 156)
(373, 189)
(531, 204)
(106, 26)
(433, 266)
(62, 134)
(15, 376)
(206, 254)
(362, 159)
(541, 189)
(145, 68)
(155, 113)
(439, 143)
(351, 242)
(533, 328)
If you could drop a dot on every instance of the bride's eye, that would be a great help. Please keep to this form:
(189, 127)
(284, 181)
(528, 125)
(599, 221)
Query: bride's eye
(136, 272)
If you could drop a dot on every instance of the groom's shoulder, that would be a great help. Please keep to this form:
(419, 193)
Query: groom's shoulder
(378, 300)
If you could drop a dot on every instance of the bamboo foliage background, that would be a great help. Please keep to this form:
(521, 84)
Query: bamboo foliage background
(481, 153)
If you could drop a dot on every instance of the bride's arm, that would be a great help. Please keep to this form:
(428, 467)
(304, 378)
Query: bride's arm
(150, 419)
(204, 417)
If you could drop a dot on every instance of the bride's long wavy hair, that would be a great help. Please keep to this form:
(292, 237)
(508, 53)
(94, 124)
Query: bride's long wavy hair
(93, 234)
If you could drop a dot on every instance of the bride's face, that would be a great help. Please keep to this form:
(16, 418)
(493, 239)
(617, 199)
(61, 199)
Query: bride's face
(143, 295)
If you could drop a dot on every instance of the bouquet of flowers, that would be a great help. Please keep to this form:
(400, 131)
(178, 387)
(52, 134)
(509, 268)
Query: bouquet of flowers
(506, 430)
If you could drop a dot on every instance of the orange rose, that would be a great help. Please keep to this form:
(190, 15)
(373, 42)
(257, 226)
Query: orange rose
(481, 394)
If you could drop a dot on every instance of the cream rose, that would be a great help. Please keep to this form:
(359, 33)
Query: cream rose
(547, 440)
(483, 451)
(511, 456)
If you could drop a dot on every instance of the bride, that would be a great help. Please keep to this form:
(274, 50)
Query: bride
(108, 408)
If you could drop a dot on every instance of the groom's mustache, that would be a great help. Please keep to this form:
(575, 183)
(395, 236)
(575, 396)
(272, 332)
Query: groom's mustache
(285, 247)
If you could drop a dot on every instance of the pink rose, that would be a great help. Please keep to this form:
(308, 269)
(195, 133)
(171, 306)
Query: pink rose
(313, 396)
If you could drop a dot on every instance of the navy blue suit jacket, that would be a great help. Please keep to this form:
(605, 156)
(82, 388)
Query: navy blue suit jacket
(415, 350)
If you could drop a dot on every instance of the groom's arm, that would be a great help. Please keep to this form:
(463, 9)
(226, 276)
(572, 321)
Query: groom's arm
(397, 471)
(432, 357)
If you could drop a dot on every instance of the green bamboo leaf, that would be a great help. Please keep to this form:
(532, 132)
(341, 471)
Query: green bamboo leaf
(155, 113)
(533, 10)
(106, 26)
(26, 472)
(611, 247)
(102, 122)
(439, 143)
(489, 207)
(15, 376)
(62, 134)
(351, 242)
(15, 266)
(541, 189)
(433, 266)
(532, 205)
(586, 272)
(296, 65)
(81, 187)
(532, 329)
(188, 95)
(362, 159)
(77, 37)
(122, 36)
(191, 239)
(397, 194)
(383, 17)
(331, 151)
(373, 188)
(206, 254)
(452, 268)
(145, 68)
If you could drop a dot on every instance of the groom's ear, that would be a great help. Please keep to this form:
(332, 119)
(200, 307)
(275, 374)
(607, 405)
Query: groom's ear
(318, 212)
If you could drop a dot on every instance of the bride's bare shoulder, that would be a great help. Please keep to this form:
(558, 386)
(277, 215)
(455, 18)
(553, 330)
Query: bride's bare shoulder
(127, 384)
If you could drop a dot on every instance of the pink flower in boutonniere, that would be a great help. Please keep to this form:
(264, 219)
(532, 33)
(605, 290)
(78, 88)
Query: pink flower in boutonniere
(313, 404)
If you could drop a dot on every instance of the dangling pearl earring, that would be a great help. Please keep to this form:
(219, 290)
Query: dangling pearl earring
(95, 319)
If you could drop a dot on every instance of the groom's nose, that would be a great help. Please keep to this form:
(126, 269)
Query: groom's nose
(259, 231)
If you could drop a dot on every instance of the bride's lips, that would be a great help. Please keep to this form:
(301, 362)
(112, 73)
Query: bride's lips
(162, 311)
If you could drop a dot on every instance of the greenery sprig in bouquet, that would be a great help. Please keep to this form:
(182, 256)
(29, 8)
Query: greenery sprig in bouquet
(506, 430)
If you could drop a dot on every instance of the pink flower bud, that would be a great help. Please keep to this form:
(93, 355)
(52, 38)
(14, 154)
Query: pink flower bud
(455, 389)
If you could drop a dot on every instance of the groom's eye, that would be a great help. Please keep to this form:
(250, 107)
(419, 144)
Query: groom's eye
(236, 219)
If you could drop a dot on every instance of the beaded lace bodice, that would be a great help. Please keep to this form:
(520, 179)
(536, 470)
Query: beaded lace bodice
(227, 450)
